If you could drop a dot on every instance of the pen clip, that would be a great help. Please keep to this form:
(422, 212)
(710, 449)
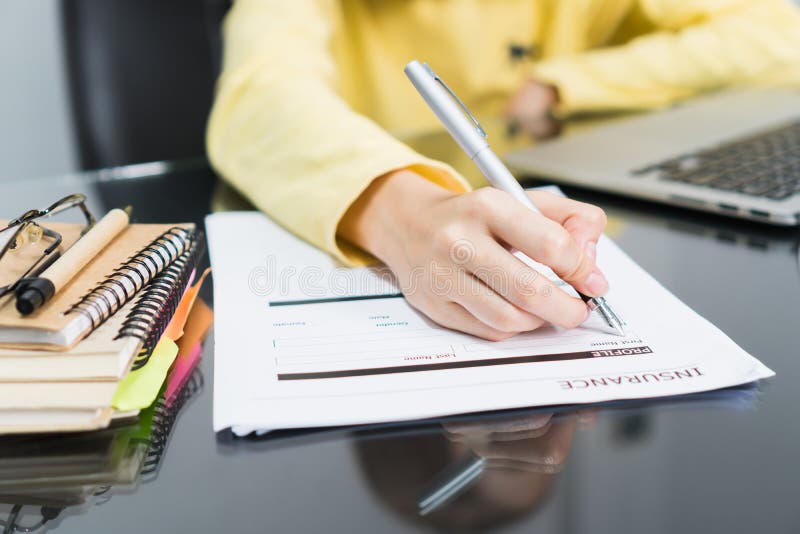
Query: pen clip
(458, 100)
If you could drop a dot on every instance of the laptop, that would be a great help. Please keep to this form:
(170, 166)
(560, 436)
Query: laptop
(736, 153)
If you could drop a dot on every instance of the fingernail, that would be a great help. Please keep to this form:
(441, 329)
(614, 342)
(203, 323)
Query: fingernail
(591, 250)
(597, 284)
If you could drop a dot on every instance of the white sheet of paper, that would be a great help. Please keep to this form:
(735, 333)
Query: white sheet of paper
(298, 344)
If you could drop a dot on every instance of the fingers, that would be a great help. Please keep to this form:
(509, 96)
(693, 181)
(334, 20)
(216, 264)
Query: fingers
(523, 286)
(490, 308)
(497, 295)
(584, 222)
(546, 241)
(456, 317)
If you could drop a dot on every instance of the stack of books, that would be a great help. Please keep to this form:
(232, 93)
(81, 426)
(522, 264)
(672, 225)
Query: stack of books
(108, 344)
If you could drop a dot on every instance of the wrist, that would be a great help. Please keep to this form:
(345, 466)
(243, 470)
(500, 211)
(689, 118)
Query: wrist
(380, 217)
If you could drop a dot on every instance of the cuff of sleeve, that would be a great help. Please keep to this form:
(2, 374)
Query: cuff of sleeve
(439, 173)
(582, 87)
(577, 91)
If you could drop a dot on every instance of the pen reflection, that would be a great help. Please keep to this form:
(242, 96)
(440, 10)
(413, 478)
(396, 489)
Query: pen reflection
(471, 475)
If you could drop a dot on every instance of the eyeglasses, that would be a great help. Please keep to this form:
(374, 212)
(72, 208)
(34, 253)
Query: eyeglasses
(26, 230)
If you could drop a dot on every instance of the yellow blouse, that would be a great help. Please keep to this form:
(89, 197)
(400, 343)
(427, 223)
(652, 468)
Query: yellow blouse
(312, 92)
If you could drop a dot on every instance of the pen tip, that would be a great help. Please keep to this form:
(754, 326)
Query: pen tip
(611, 318)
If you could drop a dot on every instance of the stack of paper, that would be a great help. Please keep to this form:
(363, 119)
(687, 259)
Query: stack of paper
(303, 342)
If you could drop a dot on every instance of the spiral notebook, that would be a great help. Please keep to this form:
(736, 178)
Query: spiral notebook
(106, 284)
(73, 402)
(102, 355)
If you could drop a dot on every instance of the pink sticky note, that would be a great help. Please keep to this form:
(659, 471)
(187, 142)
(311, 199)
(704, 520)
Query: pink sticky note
(181, 370)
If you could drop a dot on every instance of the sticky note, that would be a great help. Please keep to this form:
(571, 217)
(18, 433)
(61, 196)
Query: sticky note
(174, 329)
(183, 367)
(140, 388)
(196, 327)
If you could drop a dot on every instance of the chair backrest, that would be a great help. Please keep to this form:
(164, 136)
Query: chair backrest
(141, 76)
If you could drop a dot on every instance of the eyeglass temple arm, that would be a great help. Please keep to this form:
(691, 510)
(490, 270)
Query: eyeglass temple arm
(69, 201)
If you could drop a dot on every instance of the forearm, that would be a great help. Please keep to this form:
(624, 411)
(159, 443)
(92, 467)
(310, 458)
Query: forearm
(303, 157)
(701, 46)
(281, 134)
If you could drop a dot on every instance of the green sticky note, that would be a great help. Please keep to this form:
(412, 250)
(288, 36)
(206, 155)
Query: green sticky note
(140, 388)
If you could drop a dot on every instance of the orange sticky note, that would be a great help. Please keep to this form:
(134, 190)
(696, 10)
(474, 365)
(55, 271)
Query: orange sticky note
(189, 347)
(175, 327)
(196, 327)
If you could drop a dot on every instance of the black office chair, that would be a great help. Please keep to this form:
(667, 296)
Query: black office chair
(141, 76)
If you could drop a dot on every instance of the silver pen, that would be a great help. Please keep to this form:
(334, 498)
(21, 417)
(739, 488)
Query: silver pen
(471, 137)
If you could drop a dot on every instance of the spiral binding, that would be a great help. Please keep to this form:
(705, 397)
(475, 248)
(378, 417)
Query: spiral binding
(164, 416)
(125, 281)
(153, 311)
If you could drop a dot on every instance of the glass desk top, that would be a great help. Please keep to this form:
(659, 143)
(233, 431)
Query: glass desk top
(720, 463)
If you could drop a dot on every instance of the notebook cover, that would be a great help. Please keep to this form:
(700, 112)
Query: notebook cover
(52, 317)
(99, 356)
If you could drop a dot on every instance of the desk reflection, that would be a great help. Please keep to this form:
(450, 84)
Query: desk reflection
(45, 478)
(471, 475)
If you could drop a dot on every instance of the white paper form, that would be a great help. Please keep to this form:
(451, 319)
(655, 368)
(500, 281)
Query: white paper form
(303, 342)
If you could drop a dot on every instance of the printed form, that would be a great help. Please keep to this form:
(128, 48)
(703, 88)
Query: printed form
(303, 342)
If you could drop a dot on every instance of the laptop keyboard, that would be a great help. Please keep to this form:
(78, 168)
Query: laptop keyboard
(764, 165)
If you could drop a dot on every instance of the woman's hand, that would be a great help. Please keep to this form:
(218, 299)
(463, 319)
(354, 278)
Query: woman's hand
(451, 253)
